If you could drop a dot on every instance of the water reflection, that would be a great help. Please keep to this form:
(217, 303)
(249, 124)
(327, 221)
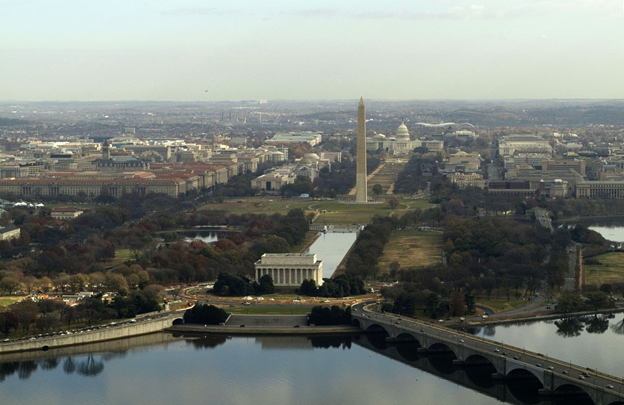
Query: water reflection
(91, 366)
(208, 342)
(569, 327)
(618, 327)
(597, 324)
(523, 388)
(345, 369)
(327, 342)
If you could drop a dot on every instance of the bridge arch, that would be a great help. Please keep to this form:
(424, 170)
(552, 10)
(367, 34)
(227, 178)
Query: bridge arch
(407, 337)
(566, 391)
(355, 322)
(407, 346)
(524, 385)
(478, 360)
(378, 338)
(178, 321)
(522, 372)
(375, 327)
(440, 348)
(441, 358)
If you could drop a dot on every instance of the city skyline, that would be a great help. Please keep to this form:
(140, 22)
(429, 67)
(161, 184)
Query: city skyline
(396, 49)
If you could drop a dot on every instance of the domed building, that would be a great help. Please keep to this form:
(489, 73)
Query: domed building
(398, 145)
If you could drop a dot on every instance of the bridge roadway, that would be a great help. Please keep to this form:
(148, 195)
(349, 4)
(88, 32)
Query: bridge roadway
(557, 378)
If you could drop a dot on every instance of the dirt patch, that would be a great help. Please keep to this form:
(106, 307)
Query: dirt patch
(423, 249)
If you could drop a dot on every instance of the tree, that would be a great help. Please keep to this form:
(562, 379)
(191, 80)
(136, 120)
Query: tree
(176, 291)
(433, 302)
(265, 286)
(205, 314)
(61, 281)
(597, 299)
(393, 202)
(92, 308)
(394, 269)
(77, 282)
(26, 312)
(569, 302)
(377, 189)
(458, 307)
(117, 282)
(8, 321)
(469, 299)
(9, 284)
(405, 304)
(153, 291)
(308, 288)
(321, 315)
(30, 283)
(232, 285)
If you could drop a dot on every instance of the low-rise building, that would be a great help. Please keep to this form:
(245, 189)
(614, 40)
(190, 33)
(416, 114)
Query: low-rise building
(600, 189)
(9, 232)
(65, 213)
(290, 269)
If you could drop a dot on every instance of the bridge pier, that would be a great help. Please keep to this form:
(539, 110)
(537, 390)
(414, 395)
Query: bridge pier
(547, 393)
(501, 378)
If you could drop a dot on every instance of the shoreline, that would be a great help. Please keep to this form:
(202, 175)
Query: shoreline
(534, 318)
(263, 330)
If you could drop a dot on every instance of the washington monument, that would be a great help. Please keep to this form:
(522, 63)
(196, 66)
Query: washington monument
(360, 179)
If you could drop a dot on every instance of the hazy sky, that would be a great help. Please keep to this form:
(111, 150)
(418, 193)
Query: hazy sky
(320, 49)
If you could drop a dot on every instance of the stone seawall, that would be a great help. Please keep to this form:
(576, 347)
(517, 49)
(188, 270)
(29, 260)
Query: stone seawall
(110, 346)
(109, 332)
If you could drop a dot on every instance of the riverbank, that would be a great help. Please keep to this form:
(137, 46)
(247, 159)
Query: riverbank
(112, 331)
(586, 219)
(534, 318)
(263, 330)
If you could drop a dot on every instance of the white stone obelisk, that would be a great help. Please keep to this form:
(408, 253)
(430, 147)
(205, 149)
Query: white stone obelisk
(360, 179)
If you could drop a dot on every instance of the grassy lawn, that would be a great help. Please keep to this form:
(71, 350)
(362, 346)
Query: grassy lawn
(385, 177)
(412, 249)
(268, 310)
(332, 211)
(6, 301)
(335, 212)
(502, 305)
(259, 205)
(121, 255)
(309, 239)
(611, 269)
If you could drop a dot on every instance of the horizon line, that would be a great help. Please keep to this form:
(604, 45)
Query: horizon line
(307, 100)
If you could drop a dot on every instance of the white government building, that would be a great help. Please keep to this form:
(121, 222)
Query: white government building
(290, 269)
(400, 144)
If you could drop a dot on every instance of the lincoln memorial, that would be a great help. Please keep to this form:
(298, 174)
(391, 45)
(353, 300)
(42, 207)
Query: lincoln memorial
(290, 269)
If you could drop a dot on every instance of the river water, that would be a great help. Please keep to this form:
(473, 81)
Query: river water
(237, 371)
(347, 370)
